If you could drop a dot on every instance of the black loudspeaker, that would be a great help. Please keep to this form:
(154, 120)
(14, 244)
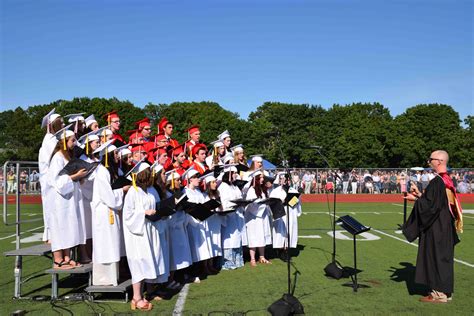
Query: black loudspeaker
(333, 271)
(287, 305)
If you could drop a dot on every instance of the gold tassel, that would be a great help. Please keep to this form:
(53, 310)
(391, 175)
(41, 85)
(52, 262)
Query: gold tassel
(172, 182)
(64, 140)
(106, 157)
(134, 181)
(87, 145)
(111, 217)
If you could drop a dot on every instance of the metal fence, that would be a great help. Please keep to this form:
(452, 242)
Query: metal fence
(373, 180)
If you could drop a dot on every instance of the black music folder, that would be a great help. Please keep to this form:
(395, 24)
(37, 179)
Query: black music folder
(201, 211)
(76, 164)
(276, 206)
(121, 182)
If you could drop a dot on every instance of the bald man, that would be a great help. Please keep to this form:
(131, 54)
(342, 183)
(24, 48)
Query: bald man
(435, 218)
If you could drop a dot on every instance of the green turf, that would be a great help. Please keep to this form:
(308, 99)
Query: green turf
(387, 266)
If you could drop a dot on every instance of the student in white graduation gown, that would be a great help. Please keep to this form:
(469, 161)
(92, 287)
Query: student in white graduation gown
(214, 224)
(280, 228)
(89, 143)
(66, 227)
(107, 232)
(53, 123)
(256, 219)
(198, 231)
(139, 233)
(233, 224)
(180, 250)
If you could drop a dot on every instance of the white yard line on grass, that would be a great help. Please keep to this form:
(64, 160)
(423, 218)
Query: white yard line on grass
(179, 307)
(398, 204)
(464, 216)
(10, 236)
(415, 245)
(354, 213)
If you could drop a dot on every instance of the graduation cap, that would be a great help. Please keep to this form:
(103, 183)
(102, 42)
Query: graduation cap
(172, 176)
(156, 168)
(110, 116)
(133, 134)
(162, 124)
(178, 150)
(49, 118)
(209, 177)
(75, 117)
(227, 158)
(237, 148)
(76, 164)
(103, 150)
(193, 129)
(86, 138)
(139, 167)
(90, 119)
(188, 174)
(198, 147)
(64, 133)
(142, 123)
(257, 158)
(223, 135)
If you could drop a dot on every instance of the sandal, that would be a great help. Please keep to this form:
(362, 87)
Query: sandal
(263, 260)
(145, 307)
(63, 265)
(253, 263)
(74, 264)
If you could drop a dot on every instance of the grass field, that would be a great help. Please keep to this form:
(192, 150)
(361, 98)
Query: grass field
(387, 265)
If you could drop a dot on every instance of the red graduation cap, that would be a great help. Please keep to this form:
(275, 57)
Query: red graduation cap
(193, 129)
(133, 134)
(142, 123)
(138, 148)
(178, 150)
(162, 124)
(197, 147)
(110, 116)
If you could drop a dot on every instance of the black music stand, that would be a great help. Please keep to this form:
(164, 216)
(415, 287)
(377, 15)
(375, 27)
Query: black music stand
(351, 225)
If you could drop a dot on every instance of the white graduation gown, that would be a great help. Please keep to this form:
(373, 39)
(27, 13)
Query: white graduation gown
(257, 221)
(214, 224)
(106, 232)
(136, 230)
(87, 193)
(233, 224)
(47, 194)
(66, 226)
(197, 231)
(180, 251)
(161, 246)
(280, 225)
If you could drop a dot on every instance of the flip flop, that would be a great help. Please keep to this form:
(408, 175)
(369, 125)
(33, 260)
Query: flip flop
(74, 264)
(63, 265)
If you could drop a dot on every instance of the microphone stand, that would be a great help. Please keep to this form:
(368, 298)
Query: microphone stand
(328, 268)
(288, 297)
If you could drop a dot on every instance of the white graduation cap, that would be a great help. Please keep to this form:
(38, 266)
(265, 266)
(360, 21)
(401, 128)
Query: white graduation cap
(191, 172)
(172, 175)
(208, 177)
(279, 175)
(156, 167)
(255, 173)
(257, 158)
(100, 132)
(237, 148)
(49, 118)
(227, 158)
(230, 167)
(223, 135)
(64, 132)
(124, 150)
(217, 144)
(111, 148)
(89, 137)
(139, 167)
(75, 117)
(101, 149)
(90, 119)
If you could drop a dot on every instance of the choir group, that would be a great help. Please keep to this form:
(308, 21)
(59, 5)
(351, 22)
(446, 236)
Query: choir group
(164, 212)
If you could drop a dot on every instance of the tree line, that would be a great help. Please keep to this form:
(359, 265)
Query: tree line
(354, 135)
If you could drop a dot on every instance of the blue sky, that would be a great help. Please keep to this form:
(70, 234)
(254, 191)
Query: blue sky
(239, 53)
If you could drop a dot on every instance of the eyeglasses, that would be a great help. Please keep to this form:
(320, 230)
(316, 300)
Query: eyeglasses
(117, 121)
(147, 128)
(430, 159)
